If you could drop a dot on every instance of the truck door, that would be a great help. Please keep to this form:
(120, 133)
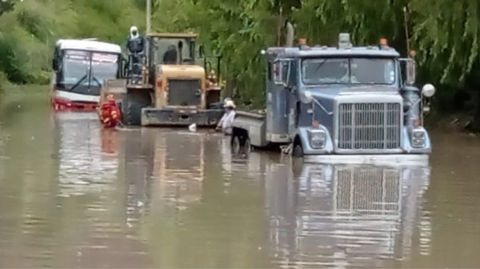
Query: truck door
(277, 100)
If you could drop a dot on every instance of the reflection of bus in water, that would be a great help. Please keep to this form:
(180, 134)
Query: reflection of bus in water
(85, 164)
(79, 69)
(343, 216)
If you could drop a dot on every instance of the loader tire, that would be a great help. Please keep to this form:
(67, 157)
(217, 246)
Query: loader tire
(135, 101)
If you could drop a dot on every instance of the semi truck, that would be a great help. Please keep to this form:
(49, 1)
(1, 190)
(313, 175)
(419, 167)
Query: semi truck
(338, 103)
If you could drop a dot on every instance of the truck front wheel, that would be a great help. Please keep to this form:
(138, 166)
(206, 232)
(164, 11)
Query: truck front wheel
(297, 150)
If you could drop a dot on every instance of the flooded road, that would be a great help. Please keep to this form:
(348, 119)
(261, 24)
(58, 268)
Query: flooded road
(74, 195)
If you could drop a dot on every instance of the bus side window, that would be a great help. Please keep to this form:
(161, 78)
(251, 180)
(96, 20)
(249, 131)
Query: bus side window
(55, 59)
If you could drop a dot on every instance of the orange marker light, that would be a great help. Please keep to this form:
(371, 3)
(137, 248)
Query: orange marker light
(383, 41)
(413, 53)
(316, 124)
(302, 41)
(159, 83)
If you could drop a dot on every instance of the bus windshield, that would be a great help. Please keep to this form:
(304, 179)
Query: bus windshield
(348, 71)
(77, 66)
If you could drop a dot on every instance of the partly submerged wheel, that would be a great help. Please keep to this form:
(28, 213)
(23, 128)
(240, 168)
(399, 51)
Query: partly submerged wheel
(235, 145)
(247, 147)
(135, 101)
(297, 150)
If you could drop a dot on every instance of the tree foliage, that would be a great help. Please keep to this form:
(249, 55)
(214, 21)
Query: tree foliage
(445, 35)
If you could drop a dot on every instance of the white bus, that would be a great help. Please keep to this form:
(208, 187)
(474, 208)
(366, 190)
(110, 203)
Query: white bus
(79, 69)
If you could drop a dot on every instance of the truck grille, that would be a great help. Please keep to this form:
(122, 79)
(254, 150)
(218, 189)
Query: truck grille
(184, 92)
(369, 126)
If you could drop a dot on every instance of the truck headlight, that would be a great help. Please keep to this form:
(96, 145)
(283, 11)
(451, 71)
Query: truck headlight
(418, 139)
(317, 138)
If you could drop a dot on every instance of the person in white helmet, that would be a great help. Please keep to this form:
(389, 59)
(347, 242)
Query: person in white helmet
(135, 47)
(225, 123)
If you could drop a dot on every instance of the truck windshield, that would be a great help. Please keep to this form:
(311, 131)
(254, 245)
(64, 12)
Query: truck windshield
(348, 71)
(76, 66)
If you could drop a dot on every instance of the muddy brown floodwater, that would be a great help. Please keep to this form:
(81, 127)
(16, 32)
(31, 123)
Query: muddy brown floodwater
(74, 195)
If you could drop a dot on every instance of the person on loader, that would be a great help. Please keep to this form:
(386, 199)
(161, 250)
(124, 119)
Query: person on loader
(135, 47)
(225, 123)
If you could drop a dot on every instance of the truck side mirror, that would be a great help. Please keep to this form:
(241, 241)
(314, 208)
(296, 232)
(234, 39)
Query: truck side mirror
(54, 65)
(410, 70)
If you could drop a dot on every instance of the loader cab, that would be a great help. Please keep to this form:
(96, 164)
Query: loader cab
(172, 49)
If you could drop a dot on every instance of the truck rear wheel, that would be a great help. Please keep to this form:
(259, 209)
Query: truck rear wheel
(235, 144)
(135, 101)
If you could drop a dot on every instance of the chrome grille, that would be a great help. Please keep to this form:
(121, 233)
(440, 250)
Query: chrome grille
(369, 126)
(184, 92)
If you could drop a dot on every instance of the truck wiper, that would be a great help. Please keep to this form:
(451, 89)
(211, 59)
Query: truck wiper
(320, 65)
(79, 82)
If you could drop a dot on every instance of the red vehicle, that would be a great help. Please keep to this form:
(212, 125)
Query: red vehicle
(79, 69)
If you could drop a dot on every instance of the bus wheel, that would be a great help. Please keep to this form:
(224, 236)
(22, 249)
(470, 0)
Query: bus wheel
(136, 100)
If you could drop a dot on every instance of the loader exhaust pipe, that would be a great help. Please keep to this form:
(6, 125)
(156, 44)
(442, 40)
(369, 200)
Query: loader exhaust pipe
(289, 35)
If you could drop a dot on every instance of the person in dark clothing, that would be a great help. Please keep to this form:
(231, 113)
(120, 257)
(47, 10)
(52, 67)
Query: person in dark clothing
(170, 56)
(135, 47)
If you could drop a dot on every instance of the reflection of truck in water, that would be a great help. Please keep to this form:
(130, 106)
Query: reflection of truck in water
(79, 69)
(177, 92)
(345, 215)
(345, 100)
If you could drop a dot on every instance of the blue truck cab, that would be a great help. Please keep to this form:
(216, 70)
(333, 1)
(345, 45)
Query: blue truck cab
(339, 102)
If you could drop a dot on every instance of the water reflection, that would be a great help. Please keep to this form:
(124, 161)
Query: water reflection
(343, 215)
(87, 154)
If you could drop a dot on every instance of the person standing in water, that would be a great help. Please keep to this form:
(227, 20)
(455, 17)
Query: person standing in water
(225, 123)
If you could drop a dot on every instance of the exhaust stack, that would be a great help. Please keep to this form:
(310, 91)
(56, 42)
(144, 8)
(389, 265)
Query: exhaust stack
(290, 34)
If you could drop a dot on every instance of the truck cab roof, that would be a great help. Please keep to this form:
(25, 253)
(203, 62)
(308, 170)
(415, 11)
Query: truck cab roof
(323, 51)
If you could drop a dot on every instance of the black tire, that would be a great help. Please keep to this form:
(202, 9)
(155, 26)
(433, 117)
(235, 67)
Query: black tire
(135, 101)
(297, 150)
(247, 147)
(235, 145)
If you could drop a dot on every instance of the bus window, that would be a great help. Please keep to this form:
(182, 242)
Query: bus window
(77, 65)
(104, 66)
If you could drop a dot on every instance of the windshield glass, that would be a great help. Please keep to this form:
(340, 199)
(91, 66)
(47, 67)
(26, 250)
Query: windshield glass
(76, 65)
(348, 71)
(165, 46)
(104, 66)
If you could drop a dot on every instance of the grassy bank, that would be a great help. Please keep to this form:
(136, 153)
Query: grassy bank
(12, 93)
